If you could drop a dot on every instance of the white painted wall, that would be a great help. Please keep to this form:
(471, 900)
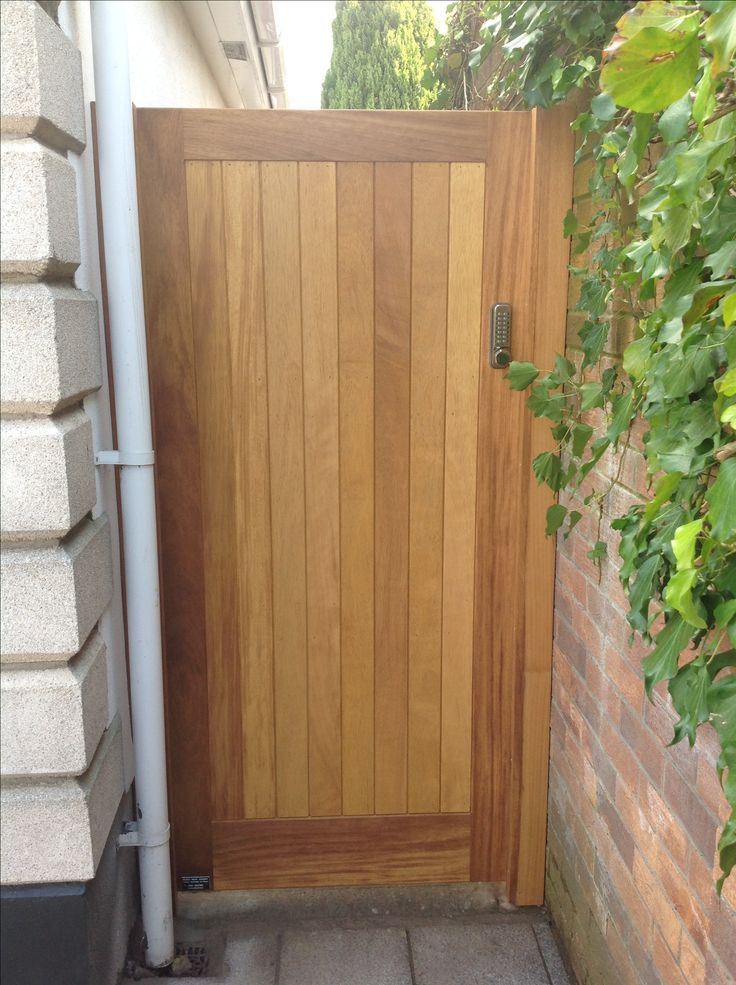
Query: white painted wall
(167, 69)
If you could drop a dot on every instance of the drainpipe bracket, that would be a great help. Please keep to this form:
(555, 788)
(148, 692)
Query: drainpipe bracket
(124, 458)
(132, 837)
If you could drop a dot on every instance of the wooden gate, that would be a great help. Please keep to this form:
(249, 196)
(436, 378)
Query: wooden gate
(357, 590)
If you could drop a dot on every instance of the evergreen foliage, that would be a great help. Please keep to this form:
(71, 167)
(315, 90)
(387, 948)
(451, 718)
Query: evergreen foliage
(378, 55)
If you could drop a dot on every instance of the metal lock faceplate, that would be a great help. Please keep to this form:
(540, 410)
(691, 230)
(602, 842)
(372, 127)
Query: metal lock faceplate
(500, 347)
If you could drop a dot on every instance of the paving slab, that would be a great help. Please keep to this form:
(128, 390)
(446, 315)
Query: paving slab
(345, 957)
(551, 954)
(503, 954)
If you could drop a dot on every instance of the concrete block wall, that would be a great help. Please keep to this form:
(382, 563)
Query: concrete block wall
(633, 823)
(62, 751)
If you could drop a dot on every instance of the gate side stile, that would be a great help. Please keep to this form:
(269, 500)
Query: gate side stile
(552, 179)
(167, 297)
(502, 490)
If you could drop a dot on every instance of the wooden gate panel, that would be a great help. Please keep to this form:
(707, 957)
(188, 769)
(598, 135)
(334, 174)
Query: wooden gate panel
(356, 371)
(430, 219)
(358, 481)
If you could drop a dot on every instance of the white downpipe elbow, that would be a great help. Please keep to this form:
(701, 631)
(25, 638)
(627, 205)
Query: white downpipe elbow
(116, 164)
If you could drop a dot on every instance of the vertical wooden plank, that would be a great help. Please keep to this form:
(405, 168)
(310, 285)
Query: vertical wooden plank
(318, 224)
(281, 263)
(430, 210)
(355, 292)
(555, 148)
(252, 507)
(164, 244)
(502, 491)
(212, 355)
(461, 424)
(392, 399)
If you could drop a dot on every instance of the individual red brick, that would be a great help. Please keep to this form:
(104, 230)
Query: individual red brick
(716, 973)
(660, 719)
(678, 889)
(628, 806)
(702, 878)
(700, 824)
(663, 913)
(709, 787)
(723, 934)
(692, 961)
(667, 827)
(628, 681)
(621, 756)
(619, 832)
(665, 963)
(645, 744)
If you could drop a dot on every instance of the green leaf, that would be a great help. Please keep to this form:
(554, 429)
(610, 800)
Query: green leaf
(705, 99)
(569, 224)
(598, 551)
(593, 338)
(679, 595)
(623, 409)
(723, 260)
(689, 692)
(555, 518)
(603, 107)
(663, 489)
(636, 356)
(661, 664)
(581, 434)
(652, 69)
(729, 310)
(638, 143)
(721, 499)
(591, 395)
(641, 593)
(520, 375)
(547, 468)
(683, 543)
(673, 122)
(720, 33)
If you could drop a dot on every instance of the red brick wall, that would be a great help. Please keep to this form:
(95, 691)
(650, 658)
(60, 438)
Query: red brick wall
(632, 824)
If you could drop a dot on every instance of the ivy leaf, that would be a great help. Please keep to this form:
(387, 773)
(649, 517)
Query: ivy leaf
(729, 310)
(638, 143)
(623, 407)
(603, 107)
(581, 434)
(683, 543)
(679, 595)
(720, 33)
(673, 122)
(520, 375)
(591, 395)
(593, 338)
(663, 489)
(636, 356)
(661, 664)
(641, 593)
(569, 223)
(548, 469)
(598, 551)
(721, 499)
(722, 260)
(653, 68)
(555, 518)
(689, 692)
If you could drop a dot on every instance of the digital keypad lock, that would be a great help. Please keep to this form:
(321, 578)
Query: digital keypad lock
(500, 349)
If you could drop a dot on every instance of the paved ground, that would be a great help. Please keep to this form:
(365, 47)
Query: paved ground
(482, 949)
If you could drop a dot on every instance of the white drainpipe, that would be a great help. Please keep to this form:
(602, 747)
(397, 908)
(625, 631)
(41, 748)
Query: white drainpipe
(116, 162)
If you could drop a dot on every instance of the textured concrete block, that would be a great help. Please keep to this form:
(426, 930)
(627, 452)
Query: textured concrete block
(55, 830)
(47, 482)
(50, 347)
(53, 717)
(39, 229)
(495, 954)
(345, 957)
(40, 78)
(53, 596)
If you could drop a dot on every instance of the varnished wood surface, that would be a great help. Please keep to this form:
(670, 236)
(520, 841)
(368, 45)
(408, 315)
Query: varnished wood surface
(333, 135)
(501, 497)
(341, 851)
(554, 149)
(166, 280)
(349, 618)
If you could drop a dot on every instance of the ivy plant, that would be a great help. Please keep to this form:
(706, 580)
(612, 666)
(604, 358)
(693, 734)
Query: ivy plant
(659, 134)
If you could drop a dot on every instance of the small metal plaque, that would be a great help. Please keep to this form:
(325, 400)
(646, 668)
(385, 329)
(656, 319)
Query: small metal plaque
(195, 884)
